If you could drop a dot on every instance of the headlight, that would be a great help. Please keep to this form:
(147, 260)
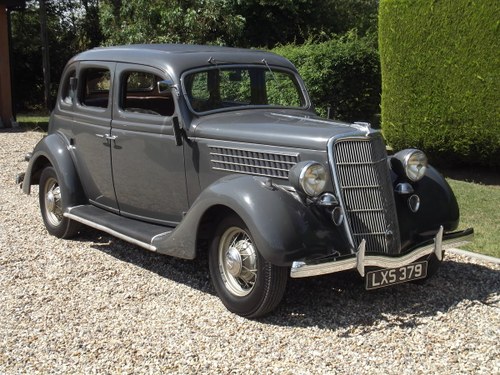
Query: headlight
(309, 177)
(414, 164)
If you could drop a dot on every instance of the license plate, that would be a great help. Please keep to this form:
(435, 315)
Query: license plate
(391, 276)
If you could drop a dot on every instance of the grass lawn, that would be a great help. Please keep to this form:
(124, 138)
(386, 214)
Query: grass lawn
(33, 122)
(480, 209)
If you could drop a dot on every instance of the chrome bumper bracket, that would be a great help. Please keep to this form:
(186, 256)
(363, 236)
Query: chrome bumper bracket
(438, 244)
(360, 258)
(360, 261)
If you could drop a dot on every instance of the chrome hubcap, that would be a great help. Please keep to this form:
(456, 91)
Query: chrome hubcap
(237, 261)
(234, 264)
(53, 203)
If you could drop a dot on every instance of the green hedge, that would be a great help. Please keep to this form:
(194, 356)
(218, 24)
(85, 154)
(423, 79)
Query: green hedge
(440, 78)
(343, 73)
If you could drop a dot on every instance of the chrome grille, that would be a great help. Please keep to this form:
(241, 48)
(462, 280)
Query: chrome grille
(366, 191)
(253, 162)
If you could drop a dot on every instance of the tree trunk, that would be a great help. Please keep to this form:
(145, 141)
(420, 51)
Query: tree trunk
(45, 55)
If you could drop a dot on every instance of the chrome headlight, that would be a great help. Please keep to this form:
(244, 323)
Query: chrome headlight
(414, 163)
(309, 177)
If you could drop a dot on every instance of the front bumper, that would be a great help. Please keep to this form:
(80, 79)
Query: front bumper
(359, 260)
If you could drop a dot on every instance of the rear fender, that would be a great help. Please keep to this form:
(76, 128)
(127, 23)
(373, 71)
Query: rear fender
(54, 151)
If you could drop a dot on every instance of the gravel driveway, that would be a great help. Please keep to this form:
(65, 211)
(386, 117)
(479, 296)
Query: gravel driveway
(99, 305)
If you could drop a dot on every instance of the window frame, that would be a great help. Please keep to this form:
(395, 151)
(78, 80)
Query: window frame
(122, 92)
(296, 77)
(65, 91)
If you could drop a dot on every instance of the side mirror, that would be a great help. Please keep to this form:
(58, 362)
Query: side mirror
(166, 86)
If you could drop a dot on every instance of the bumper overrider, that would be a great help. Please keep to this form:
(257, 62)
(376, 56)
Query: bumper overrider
(360, 260)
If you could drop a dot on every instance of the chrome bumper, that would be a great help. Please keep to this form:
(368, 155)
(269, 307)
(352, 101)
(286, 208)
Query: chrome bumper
(359, 261)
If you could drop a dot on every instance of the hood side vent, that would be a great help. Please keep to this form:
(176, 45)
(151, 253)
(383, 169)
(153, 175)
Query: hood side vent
(252, 162)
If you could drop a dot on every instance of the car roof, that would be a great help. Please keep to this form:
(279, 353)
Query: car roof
(177, 58)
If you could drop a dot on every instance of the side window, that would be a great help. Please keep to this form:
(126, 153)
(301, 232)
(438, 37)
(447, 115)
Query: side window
(140, 94)
(95, 87)
(67, 93)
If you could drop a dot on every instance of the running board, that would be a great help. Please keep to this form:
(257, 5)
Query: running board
(134, 231)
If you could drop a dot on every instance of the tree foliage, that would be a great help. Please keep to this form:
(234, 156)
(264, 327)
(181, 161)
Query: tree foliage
(272, 22)
(441, 77)
(72, 28)
(77, 25)
(244, 23)
(342, 74)
(170, 21)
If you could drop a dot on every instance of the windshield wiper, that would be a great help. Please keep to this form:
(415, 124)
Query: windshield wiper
(264, 61)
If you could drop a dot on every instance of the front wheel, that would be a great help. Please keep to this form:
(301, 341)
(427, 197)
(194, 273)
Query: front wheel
(246, 283)
(52, 206)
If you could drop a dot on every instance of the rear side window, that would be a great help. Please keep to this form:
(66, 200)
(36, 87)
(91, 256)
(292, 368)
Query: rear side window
(140, 95)
(67, 93)
(96, 84)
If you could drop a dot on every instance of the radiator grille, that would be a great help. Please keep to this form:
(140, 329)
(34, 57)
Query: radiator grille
(253, 162)
(366, 190)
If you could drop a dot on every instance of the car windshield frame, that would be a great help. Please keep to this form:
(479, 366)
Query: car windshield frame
(272, 70)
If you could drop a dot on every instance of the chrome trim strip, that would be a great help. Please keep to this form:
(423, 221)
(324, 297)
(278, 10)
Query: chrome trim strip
(114, 233)
(360, 261)
(273, 152)
(248, 173)
(315, 120)
(249, 165)
(338, 193)
(159, 236)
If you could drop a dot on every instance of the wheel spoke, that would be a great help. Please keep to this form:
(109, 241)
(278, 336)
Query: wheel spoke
(233, 243)
(253, 271)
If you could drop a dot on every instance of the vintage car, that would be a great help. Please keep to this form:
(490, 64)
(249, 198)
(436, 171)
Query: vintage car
(183, 149)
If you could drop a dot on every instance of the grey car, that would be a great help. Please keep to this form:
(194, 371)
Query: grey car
(184, 149)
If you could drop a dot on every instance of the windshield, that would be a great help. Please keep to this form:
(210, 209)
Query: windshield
(227, 87)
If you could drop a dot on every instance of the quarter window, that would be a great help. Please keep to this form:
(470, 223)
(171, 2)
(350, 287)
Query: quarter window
(96, 85)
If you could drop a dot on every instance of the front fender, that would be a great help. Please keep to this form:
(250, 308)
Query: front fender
(438, 207)
(283, 228)
(53, 150)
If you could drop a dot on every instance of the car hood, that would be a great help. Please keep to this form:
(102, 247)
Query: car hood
(279, 128)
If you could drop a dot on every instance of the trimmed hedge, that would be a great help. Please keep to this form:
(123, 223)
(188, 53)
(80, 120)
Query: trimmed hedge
(440, 78)
(343, 73)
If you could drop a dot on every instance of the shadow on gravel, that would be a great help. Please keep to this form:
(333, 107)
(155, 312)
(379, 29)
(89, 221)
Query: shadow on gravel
(331, 301)
(322, 301)
(193, 273)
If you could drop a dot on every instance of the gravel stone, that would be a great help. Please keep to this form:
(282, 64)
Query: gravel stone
(96, 305)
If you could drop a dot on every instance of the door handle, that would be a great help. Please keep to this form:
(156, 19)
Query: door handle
(107, 136)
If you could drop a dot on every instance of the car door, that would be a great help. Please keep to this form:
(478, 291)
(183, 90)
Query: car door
(91, 132)
(148, 166)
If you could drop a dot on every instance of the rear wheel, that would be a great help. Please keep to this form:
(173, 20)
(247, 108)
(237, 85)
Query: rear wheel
(52, 206)
(246, 283)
